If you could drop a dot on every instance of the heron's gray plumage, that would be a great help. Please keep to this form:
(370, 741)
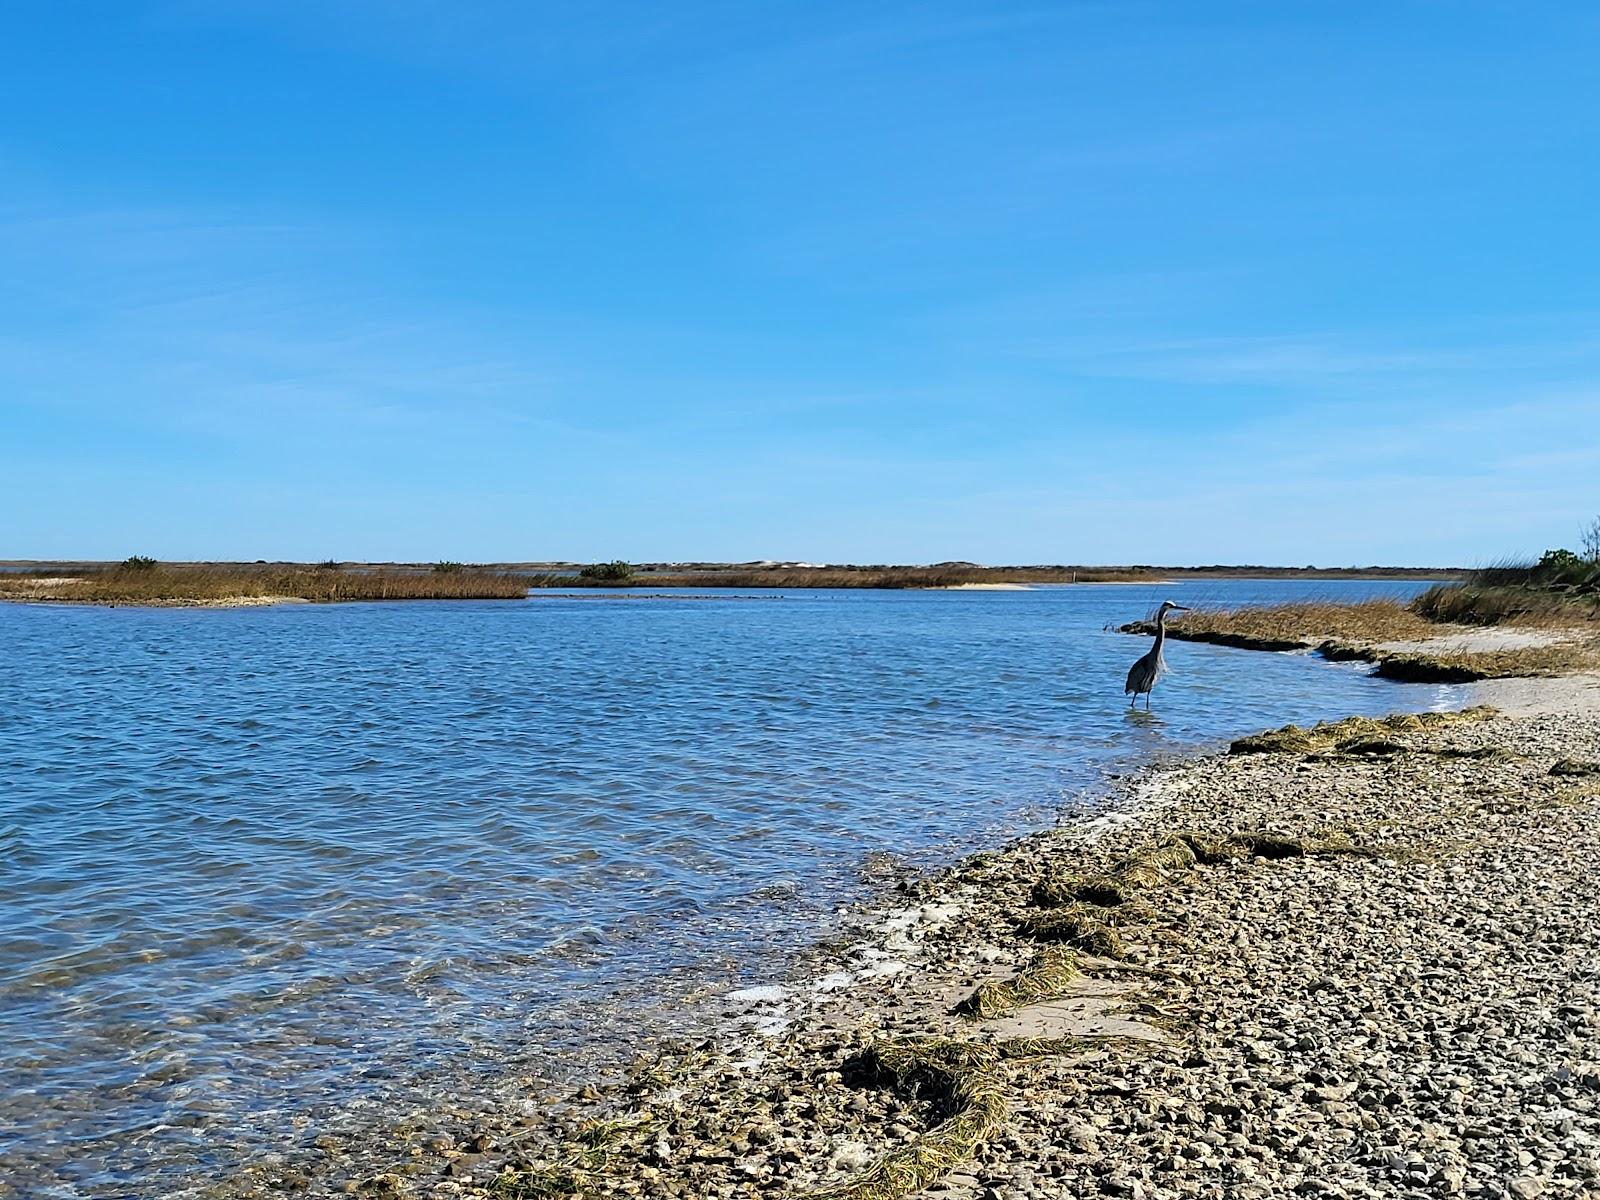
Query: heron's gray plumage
(1143, 674)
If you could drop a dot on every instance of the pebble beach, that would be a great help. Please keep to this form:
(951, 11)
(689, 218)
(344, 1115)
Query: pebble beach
(1359, 962)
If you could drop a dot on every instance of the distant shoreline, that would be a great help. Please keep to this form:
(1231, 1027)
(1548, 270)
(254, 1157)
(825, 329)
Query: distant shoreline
(675, 570)
(145, 583)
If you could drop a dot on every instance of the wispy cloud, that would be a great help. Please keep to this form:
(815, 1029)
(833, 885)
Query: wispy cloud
(1292, 361)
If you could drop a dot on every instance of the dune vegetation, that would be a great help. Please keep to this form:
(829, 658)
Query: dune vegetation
(1561, 587)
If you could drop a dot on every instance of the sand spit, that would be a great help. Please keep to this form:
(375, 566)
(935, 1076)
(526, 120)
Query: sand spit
(1366, 970)
(985, 587)
(216, 602)
(187, 602)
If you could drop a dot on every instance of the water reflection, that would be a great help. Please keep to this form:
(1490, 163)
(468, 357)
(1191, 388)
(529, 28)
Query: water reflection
(268, 863)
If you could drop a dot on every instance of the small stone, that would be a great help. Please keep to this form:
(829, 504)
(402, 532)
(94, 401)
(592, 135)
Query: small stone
(1450, 1178)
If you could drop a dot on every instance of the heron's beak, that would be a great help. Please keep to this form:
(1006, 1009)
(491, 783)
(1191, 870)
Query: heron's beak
(1181, 608)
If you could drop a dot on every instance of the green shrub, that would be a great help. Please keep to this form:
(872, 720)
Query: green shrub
(1558, 564)
(447, 568)
(614, 571)
(138, 562)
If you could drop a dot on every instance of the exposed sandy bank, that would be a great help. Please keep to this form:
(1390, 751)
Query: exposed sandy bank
(40, 589)
(38, 581)
(1481, 640)
(210, 602)
(221, 602)
(1577, 695)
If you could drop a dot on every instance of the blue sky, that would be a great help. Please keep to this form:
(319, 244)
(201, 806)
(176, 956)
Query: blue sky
(1098, 282)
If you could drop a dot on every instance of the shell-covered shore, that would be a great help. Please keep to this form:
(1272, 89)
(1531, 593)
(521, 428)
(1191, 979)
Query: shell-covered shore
(1360, 964)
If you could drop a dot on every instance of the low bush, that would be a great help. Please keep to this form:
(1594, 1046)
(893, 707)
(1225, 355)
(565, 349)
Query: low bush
(615, 571)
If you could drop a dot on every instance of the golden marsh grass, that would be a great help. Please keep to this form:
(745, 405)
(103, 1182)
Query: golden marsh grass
(206, 585)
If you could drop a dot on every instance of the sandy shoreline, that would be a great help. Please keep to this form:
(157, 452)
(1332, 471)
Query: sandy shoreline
(1418, 1017)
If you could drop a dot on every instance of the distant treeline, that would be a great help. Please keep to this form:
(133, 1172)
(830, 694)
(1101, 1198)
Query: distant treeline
(831, 577)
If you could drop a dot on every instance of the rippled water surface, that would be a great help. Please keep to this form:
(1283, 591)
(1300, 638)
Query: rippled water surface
(261, 863)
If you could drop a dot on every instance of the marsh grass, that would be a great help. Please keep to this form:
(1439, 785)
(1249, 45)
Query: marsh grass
(1558, 658)
(1298, 626)
(1368, 631)
(207, 585)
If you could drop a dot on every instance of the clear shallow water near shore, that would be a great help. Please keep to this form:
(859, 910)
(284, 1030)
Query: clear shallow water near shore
(264, 864)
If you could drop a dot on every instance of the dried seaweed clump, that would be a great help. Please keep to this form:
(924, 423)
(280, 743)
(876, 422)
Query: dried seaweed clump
(579, 1167)
(1046, 977)
(1265, 844)
(1151, 867)
(1077, 926)
(1373, 747)
(1575, 766)
(1070, 900)
(964, 1079)
(1060, 890)
(1352, 731)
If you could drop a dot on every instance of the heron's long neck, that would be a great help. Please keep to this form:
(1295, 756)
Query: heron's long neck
(1161, 630)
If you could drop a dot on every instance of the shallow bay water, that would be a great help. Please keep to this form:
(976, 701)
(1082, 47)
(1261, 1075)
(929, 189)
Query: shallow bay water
(265, 865)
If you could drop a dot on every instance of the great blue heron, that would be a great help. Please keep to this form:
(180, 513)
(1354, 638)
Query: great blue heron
(1143, 674)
